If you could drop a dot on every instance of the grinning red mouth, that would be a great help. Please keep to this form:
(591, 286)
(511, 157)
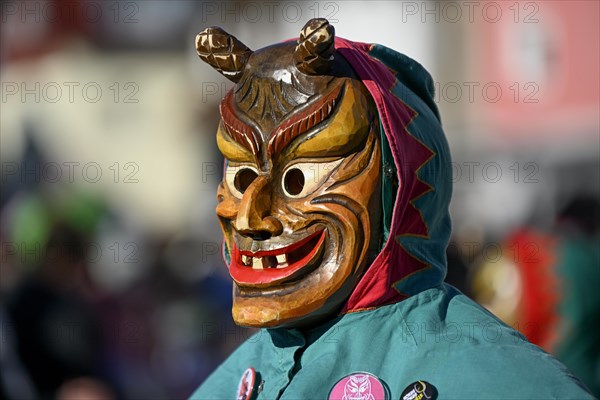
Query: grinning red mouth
(268, 267)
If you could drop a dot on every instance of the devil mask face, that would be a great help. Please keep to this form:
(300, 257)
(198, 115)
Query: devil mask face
(299, 203)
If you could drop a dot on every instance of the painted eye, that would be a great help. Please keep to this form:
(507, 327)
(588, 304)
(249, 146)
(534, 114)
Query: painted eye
(301, 179)
(239, 178)
(294, 181)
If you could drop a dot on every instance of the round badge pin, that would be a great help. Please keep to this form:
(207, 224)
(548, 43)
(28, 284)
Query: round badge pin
(359, 386)
(246, 386)
(419, 390)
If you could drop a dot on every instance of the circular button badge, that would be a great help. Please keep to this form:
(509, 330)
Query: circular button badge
(419, 390)
(359, 386)
(246, 385)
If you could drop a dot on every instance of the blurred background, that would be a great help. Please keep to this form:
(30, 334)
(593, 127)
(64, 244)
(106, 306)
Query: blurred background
(111, 279)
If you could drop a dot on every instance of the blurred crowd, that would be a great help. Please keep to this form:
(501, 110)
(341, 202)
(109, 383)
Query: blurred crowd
(112, 284)
(66, 331)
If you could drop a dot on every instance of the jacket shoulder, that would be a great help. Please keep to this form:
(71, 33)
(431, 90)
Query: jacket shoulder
(474, 355)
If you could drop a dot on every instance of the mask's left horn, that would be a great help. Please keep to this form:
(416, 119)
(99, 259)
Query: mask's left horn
(223, 52)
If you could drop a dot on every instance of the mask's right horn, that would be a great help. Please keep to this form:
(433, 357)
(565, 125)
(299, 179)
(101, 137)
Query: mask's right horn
(314, 52)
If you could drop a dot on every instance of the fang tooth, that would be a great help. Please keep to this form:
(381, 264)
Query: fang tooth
(280, 258)
(257, 263)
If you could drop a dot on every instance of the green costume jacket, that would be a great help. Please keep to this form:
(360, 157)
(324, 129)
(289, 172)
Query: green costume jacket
(403, 334)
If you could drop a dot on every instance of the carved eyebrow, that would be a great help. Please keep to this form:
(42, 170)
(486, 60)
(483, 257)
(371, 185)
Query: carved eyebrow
(300, 122)
(239, 131)
(303, 120)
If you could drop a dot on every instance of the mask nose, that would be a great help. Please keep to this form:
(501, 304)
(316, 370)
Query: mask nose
(254, 219)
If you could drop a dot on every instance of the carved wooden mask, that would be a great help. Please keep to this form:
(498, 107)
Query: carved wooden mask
(299, 203)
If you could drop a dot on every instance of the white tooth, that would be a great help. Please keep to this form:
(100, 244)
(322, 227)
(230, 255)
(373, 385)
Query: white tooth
(257, 263)
(280, 258)
(246, 260)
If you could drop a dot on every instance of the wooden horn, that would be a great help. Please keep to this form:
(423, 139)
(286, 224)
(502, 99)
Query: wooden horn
(314, 52)
(223, 52)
